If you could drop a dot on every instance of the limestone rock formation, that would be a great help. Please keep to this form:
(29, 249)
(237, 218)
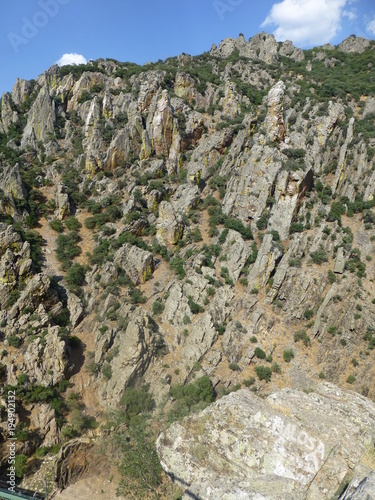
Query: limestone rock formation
(275, 115)
(136, 347)
(169, 226)
(137, 263)
(46, 362)
(354, 44)
(41, 120)
(290, 445)
(217, 219)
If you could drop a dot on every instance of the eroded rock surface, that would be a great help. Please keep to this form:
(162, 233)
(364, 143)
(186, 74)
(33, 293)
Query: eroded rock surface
(289, 445)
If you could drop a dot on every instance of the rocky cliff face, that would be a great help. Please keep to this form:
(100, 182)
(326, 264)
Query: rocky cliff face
(208, 216)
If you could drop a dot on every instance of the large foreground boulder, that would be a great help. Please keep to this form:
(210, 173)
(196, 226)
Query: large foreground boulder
(291, 445)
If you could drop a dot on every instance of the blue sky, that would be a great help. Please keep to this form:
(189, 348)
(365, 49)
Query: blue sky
(34, 34)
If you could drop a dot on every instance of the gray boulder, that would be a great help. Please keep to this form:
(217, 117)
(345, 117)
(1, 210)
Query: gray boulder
(360, 489)
(340, 261)
(289, 445)
(137, 263)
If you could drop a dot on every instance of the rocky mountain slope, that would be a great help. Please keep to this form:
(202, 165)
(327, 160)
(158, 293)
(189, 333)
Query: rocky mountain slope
(173, 232)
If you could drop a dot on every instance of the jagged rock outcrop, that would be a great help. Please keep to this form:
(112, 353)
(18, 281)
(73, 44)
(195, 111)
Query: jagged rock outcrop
(36, 290)
(290, 190)
(11, 183)
(136, 346)
(20, 91)
(262, 46)
(290, 445)
(41, 121)
(169, 225)
(269, 254)
(15, 262)
(354, 44)
(137, 263)
(161, 130)
(237, 252)
(207, 153)
(46, 361)
(75, 308)
(8, 115)
(62, 202)
(43, 419)
(275, 116)
(287, 49)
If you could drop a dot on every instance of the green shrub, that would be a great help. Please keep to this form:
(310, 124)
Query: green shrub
(276, 368)
(136, 296)
(249, 381)
(295, 262)
(296, 227)
(194, 307)
(351, 379)
(234, 367)
(136, 401)
(195, 395)
(302, 335)
(140, 469)
(57, 225)
(14, 340)
(67, 247)
(331, 276)
(72, 223)
(288, 355)
(319, 256)
(107, 371)
(177, 264)
(20, 465)
(308, 314)
(259, 353)
(157, 307)
(236, 225)
(262, 222)
(75, 276)
(337, 210)
(263, 373)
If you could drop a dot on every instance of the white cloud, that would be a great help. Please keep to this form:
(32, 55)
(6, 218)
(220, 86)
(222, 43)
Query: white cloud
(306, 22)
(350, 14)
(71, 59)
(370, 26)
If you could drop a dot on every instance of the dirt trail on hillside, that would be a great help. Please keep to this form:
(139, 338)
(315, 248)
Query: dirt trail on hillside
(51, 265)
